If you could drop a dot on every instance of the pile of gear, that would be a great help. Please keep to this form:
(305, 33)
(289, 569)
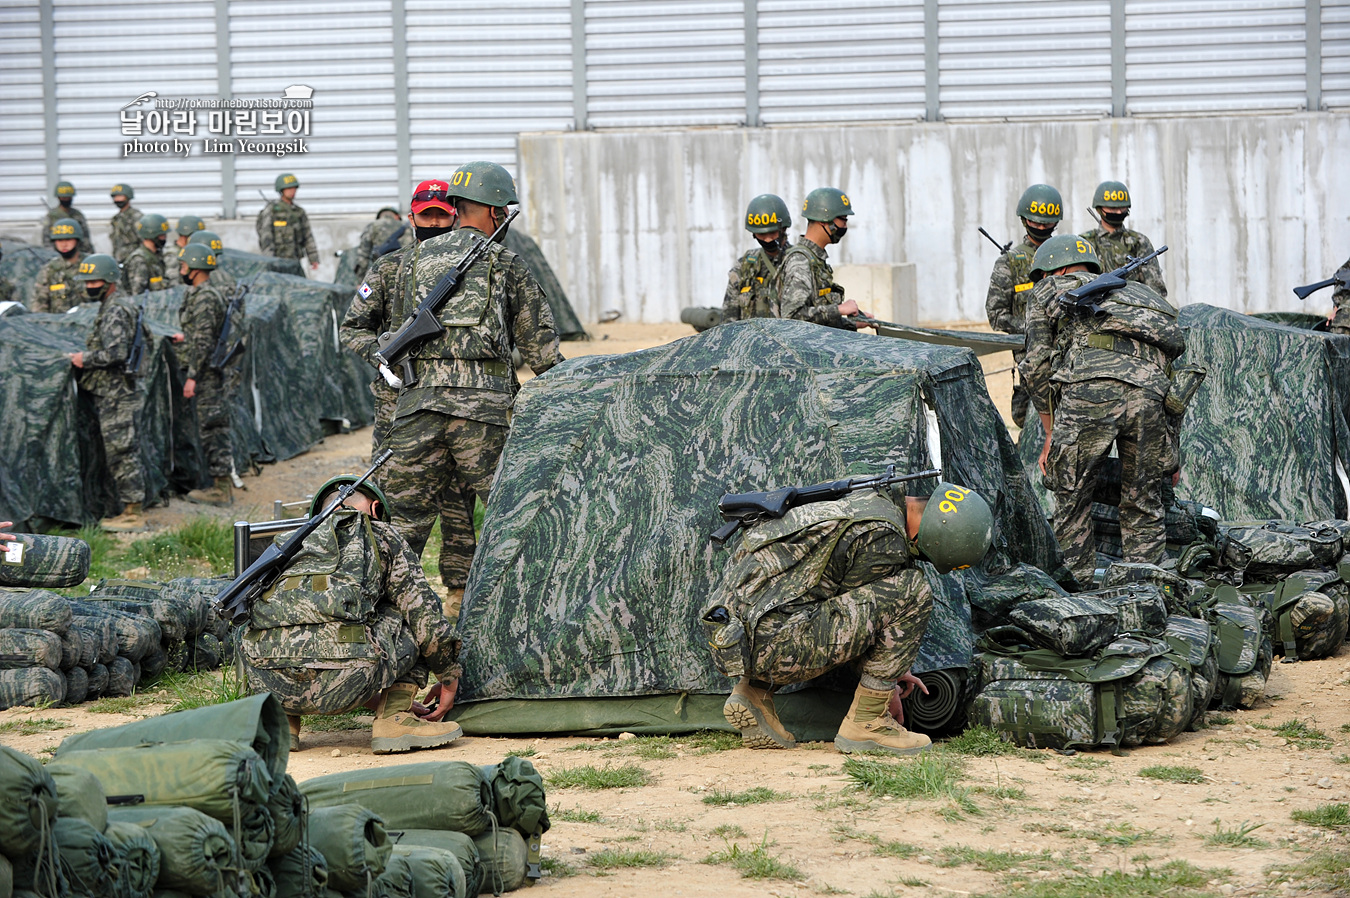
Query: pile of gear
(59, 650)
(153, 808)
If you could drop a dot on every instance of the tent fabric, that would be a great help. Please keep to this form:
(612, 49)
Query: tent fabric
(21, 264)
(588, 585)
(239, 264)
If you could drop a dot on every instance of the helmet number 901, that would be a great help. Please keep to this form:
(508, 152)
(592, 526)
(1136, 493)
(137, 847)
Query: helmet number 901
(951, 498)
(1040, 208)
(462, 178)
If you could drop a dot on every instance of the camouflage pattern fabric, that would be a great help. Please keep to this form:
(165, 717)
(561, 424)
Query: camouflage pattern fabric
(1340, 305)
(202, 317)
(31, 686)
(56, 291)
(122, 677)
(45, 561)
(143, 270)
(283, 231)
(1318, 621)
(7, 292)
(1270, 550)
(29, 648)
(1177, 591)
(58, 212)
(136, 635)
(1139, 607)
(1009, 288)
(236, 264)
(806, 289)
(750, 287)
(1068, 625)
(122, 229)
(376, 234)
(1245, 655)
(1115, 248)
(77, 685)
(34, 609)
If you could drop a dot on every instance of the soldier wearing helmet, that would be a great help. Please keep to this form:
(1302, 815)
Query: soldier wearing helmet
(387, 225)
(750, 291)
(143, 268)
(211, 240)
(103, 373)
(1099, 378)
(805, 283)
(64, 208)
(370, 635)
(122, 227)
(1114, 243)
(56, 290)
(283, 227)
(187, 226)
(851, 590)
(1338, 321)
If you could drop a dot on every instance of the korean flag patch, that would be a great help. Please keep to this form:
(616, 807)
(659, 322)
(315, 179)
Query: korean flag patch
(365, 291)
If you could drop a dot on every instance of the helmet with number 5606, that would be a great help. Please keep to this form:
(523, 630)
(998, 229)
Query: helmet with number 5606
(1042, 204)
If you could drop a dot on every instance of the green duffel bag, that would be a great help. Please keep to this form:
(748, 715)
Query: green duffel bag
(196, 853)
(137, 859)
(136, 634)
(34, 609)
(353, 842)
(88, 859)
(28, 803)
(35, 559)
(79, 794)
(20, 648)
(31, 686)
(432, 795)
(1140, 608)
(505, 860)
(7, 878)
(396, 881)
(1072, 626)
(1245, 654)
(1269, 550)
(303, 873)
(287, 809)
(77, 685)
(1195, 640)
(458, 844)
(261, 884)
(436, 872)
(518, 797)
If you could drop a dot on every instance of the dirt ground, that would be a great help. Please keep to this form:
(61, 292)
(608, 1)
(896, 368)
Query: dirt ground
(1032, 818)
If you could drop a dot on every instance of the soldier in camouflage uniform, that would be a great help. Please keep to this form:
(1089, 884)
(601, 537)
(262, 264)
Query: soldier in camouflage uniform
(202, 317)
(102, 373)
(211, 240)
(187, 226)
(805, 283)
(750, 288)
(1114, 243)
(1338, 322)
(832, 583)
(56, 290)
(7, 288)
(122, 228)
(143, 269)
(1098, 379)
(65, 196)
(353, 622)
(1040, 210)
(386, 224)
(283, 227)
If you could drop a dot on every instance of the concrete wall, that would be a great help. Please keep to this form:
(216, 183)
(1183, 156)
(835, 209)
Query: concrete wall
(648, 222)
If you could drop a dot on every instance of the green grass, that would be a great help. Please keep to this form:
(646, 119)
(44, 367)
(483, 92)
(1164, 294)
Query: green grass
(881, 847)
(334, 723)
(706, 742)
(757, 795)
(32, 726)
(1328, 815)
(122, 705)
(431, 555)
(626, 776)
(615, 859)
(553, 866)
(574, 815)
(728, 831)
(756, 863)
(991, 861)
(202, 688)
(1175, 879)
(521, 753)
(984, 742)
(184, 550)
(1087, 762)
(1116, 835)
(1342, 759)
(932, 775)
(1302, 736)
(653, 748)
(1010, 793)
(1218, 720)
(1239, 836)
(1170, 774)
(1327, 871)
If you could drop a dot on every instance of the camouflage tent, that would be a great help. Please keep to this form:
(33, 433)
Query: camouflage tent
(240, 264)
(595, 559)
(21, 264)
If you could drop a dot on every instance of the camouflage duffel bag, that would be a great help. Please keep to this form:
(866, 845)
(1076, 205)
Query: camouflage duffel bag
(301, 873)
(993, 597)
(1140, 607)
(28, 803)
(98, 680)
(436, 872)
(77, 685)
(29, 648)
(34, 559)
(35, 609)
(449, 795)
(137, 860)
(7, 877)
(1311, 611)
(505, 860)
(1269, 550)
(129, 596)
(196, 853)
(1067, 625)
(353, 842)
(461, 846)
(1136, 690)
(31, 686)
(79, 794)
(136, 634)
(1245, 654)
(122, 677)
(1195, 640)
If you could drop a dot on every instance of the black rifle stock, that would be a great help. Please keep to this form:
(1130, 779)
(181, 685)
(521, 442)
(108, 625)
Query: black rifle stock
(739, 509)
(225, 351)
(1339, 279)
(422, 325)
(1084, 298)
(236, 600)
(1002, 247)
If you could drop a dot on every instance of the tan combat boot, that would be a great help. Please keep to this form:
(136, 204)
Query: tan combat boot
(221, 493)
(131, 520)
(397, 729)
(452, 603)
(293, 721)
(751, 711)
(869, 726)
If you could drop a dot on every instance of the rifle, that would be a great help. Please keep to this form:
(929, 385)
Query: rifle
(1095, 217)
(391, 244)
(225, 351)
(740, 509)
(235, 601)
(137, 353)
(1339, 279)
(1084, 298)
(421, 325)
(1002, 247)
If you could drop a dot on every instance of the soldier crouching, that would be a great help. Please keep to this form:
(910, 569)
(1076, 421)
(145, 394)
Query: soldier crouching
(352, 622)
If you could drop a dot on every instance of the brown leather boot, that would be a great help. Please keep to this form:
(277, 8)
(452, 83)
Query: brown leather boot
(221, 493)
(751, 711)
(131, 520)
(293, 721)
(869, 726)
(397, 729)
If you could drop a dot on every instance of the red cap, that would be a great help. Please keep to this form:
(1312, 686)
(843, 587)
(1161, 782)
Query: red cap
(431, 195)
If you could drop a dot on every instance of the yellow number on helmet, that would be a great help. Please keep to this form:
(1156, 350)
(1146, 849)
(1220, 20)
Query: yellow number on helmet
(1080, 246)
(946, 507)
(843, 199)
(956, 495)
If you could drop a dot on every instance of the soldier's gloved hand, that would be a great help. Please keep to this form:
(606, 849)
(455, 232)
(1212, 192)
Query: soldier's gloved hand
(439, 700)
(391, 378)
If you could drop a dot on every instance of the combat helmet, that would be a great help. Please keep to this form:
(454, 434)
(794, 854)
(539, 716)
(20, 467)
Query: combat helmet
(1061, 252)
(152, 225)
(393, 209)
(826, 204)
(1042, 204)
(64, 190)
(767, 213)
(286, 180)
(125, 189)
(484, 182)
(65, 229)
(956, 529)
(368, 488)
(190, 224)
(207, 238)
(1112, 194)
(99, 267)
(197, 256)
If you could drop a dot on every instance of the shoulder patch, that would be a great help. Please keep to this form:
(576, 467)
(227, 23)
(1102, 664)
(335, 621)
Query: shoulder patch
(365, 290)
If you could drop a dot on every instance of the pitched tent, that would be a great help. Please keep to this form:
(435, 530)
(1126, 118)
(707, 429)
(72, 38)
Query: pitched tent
(581, 608)
(21, 264)
(241, 264)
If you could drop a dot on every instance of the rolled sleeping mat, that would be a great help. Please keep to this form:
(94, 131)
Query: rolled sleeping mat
(942, 706)
(353, 842)
(302, 873)
(79, 794)
(137, 859)
(505, 859)
(287, 808)
(77, 685)
(34, 609)
(397, 880)
(31, 686)
(121, 678)
(88, 859)
(20, 648)
(517, 795)
(195, 851)
(136, 634)
(28, 802)
(436, 872)
(458, 844)
(433, 795)
(35, 559)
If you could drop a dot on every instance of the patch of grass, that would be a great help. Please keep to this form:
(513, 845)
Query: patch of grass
(1218, 720)
(1175, 879)
(585, 746)
(1327, 870)
(553, 866)
(654, 748)
(121, 705)
(574, 815)
(828, 889)
(756, 863)
(201, 688)
(671, 826)
(184, 550)
(931, 775)
(1345, 728)
(528, 752)
(983, 742)
(729, 831)
(757, 795)
(1342, 759)
(991, 861)
(706, 742)
(1116, 835)
(332, 723)
(1328, 815)
(881, 847)
(626, 776)
(1302, 736)
(614, 859)
(1009, 793)
(32, 726)
(1170, 774)
(1239, 836)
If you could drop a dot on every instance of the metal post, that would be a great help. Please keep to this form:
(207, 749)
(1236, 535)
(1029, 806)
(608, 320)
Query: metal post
(752, 63)
(402, 120)
(53, 148)
(579, 64)
(1118, 58)
(931, 68)
(1313, 29)
(225, 88)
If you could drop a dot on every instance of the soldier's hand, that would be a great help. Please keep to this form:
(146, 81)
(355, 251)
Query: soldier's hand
(314, 266)
(178, 338)
(77, 359)
(189, 388)
(439, 700)
(903, 690)
(1045, 454)
(5, 537)
(848, 307)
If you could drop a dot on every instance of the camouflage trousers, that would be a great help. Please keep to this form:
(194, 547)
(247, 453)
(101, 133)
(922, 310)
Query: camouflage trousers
(878, 624)
(438, 459)
(213, 422)
(117, 413)
(1089, 417)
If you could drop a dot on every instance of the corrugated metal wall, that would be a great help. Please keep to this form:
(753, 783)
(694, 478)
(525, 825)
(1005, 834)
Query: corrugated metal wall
(23, 161)
(1336, 54)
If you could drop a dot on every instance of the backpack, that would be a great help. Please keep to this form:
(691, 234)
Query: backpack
(1139, 607)
(1072, 626)
(1266, 551)
(1195, 640)
(1310, 611)
(1245, 650)
(1177, 591)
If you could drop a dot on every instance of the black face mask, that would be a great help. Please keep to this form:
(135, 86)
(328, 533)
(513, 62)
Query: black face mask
(96, 294)
(426, 233)
(121, 204)
(1115, 219)
(497, 223)
(65, 200)
(835, 232)
(73, 250)
(1040, 235)
(161, 241)
(773, 247)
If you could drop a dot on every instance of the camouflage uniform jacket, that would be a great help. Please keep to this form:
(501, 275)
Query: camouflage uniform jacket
(1114, 248)
(143, 271)
(123, 231)
(374, 236)
(1009, 287)
(806, 288)
(750, 288)
(283, 231)
(202, 316)
(56, 289)
(107, 347)
(371, 313)
(1340, 299)
(58, 212)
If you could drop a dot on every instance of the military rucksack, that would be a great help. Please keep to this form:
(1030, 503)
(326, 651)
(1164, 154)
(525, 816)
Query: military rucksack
(1268, 550)
(1072, 626)
(1310, 609)
(1245, 650)
(1196, 641)
(1140, 608)
(1137, 314)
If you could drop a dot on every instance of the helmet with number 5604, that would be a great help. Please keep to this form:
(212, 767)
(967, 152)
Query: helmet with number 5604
(767, 213)
(484, 182)
(956, 529)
